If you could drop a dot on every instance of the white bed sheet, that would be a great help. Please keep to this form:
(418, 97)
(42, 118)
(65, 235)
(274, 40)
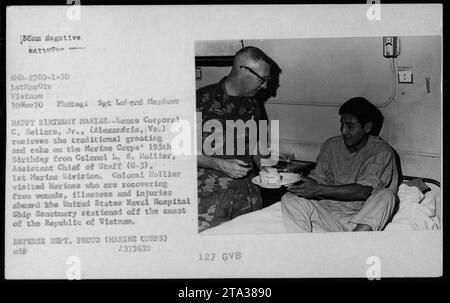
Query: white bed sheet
(268, 220)
(416, 212)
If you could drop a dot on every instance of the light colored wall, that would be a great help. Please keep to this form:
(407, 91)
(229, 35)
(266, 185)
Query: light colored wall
(319, 74)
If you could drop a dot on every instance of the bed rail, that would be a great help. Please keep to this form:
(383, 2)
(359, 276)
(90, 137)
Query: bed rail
(426, 180)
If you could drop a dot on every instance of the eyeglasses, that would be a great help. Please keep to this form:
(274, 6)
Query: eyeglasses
(263, 79)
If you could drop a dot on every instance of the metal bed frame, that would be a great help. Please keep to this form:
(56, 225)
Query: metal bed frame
(426, 180)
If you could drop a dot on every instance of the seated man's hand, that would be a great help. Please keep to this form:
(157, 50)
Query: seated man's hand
(308, 188)
(234, 168)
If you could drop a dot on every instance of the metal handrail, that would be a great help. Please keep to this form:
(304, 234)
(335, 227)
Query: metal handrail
(426, 180)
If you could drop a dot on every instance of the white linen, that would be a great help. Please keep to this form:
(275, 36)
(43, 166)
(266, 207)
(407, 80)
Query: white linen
(268, 220)
(416, 212)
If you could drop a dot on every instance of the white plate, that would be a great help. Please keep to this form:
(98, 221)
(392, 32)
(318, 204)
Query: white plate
(286, 180)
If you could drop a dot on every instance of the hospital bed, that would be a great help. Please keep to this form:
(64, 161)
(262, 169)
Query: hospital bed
(419, 208)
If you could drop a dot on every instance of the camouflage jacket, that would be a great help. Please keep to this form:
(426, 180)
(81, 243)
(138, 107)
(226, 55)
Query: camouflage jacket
(222, 198)
(215, 104)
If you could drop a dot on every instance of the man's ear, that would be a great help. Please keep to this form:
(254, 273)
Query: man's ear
(368, 127)
(242, 73)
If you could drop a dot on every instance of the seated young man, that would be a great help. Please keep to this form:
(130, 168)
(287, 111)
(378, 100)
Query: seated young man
(354, 184)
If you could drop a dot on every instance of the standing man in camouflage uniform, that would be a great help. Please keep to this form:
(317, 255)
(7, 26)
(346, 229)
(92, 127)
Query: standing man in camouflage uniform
(225, 190)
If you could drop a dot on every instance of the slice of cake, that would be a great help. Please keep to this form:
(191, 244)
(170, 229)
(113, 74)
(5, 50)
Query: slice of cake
(269, 175)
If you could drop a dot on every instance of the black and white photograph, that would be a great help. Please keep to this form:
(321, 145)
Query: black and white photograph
(354, 155)
(223, 142)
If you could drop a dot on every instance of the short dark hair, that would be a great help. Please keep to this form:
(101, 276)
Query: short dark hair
(364, 111)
